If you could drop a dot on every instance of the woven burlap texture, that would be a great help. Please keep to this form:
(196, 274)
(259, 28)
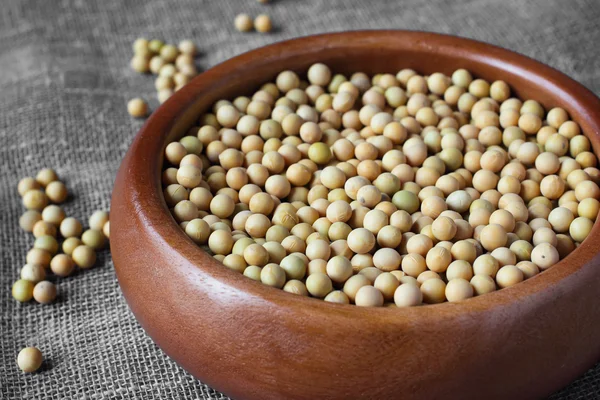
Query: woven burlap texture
(64, 83)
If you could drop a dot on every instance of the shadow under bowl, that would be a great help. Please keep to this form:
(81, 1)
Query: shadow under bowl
(254, 342)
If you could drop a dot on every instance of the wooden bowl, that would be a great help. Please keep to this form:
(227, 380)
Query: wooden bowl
(255, 342)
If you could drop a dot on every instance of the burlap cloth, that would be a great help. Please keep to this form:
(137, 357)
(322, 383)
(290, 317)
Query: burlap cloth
(64, 83)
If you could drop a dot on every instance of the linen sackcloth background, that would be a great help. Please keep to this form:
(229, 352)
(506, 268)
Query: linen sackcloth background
(64, 83)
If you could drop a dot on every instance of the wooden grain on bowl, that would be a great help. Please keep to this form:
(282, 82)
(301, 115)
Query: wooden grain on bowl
(255, 342)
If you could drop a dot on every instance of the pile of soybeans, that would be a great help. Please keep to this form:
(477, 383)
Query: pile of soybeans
(391, 190)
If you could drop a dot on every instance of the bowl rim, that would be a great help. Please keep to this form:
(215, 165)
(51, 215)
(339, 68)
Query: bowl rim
(158, 222)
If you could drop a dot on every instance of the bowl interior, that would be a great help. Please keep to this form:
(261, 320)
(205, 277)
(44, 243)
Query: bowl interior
(369, 52)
